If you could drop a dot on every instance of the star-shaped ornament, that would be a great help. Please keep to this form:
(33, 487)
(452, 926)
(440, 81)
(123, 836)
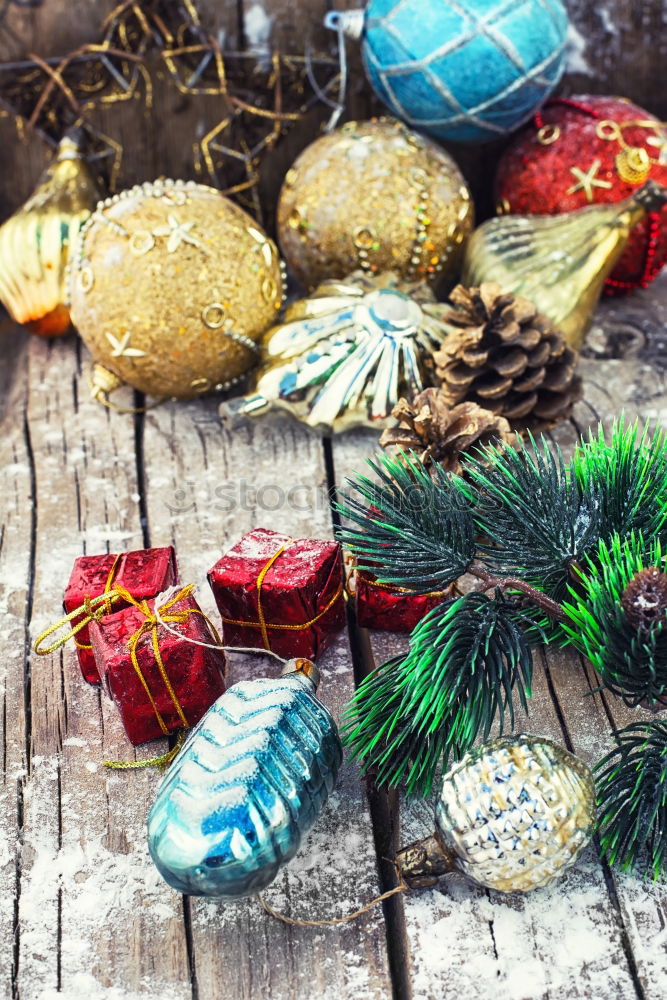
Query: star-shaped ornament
(121, 347)
(587, 180)
(177, 233)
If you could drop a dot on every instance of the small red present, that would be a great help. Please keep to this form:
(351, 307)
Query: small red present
(391, 608)
(280, 593)
(159, 681)
(143, 573)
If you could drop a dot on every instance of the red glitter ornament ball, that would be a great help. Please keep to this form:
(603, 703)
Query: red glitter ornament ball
(587, 151)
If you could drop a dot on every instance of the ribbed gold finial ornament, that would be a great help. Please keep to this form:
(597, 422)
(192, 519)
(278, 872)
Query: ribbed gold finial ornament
(559, 262)
(513, 814)
(343, 356)
(36, 242)
(171, 286)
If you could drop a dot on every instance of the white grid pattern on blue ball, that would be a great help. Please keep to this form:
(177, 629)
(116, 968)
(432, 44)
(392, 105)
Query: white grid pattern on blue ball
(477, 25)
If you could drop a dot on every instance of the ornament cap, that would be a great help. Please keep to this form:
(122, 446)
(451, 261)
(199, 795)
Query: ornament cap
(233, 412)
(71, 145)
(305, 669)
(103, 382)
(422, 863)
(349, 22)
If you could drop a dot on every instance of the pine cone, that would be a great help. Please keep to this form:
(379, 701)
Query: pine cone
(504, 355)
(440, 433)
(644, 599)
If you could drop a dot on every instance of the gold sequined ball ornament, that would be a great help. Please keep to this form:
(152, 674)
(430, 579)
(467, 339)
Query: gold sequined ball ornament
(512, 815)
(171, 286)
(376, 196)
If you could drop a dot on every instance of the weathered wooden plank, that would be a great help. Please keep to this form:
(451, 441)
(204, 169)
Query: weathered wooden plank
(16, 543)
(205, 487)
(638, 389)
(92, 911)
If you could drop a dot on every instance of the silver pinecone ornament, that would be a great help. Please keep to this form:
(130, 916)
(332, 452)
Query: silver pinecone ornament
(512, 815)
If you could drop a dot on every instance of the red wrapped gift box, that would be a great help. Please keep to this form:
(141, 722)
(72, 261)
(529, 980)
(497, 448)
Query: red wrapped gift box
(138, 685)
(394, 609)
(280, 593)
(143, 573)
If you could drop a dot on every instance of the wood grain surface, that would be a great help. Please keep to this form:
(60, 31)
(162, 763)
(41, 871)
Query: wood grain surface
(83, 913)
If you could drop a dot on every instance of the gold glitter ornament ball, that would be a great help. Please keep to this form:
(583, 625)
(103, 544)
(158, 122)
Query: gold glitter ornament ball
(376, 196)
(170, 287)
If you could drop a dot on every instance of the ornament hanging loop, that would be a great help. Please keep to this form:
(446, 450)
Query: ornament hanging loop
(349, 22)
(334, 921)
(344, 23)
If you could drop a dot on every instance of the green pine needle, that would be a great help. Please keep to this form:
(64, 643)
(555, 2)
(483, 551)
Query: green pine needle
(629, 475)
(411, 531)
(532, 518)
(631, 662)
(466, 659)
(632, 798)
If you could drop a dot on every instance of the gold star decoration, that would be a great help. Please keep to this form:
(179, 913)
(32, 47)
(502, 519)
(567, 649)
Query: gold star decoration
(177, 233)
(586, 180)
(121, 346)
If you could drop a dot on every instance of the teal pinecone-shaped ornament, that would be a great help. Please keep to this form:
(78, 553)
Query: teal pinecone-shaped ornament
(250, 781)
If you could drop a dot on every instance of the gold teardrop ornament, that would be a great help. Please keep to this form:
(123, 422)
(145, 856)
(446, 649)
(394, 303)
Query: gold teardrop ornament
(35, 243)
(559, 262)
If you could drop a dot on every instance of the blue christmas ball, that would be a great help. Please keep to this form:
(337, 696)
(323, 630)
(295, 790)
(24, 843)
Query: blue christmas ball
(463, 70)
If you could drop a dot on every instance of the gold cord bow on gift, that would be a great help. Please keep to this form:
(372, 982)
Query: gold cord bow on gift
(95, 608)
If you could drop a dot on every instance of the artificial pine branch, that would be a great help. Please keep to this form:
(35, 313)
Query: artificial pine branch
(632, 797)
(507, 584)
(618, 618)
(414, 529)
(588, 532)
(533, 520)
(466, 660)
(629, 476)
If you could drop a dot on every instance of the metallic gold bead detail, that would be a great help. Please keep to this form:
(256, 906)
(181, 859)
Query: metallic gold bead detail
(291, 176)
(633, 165)
(175, 198)
(200, 385)
(418, 176)
(213, 315)
(86, 279)
(503, 207)
(607, 129)
(141, 242)
(269, 289)
(363, 238)
(294, 219)
(548, 134)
